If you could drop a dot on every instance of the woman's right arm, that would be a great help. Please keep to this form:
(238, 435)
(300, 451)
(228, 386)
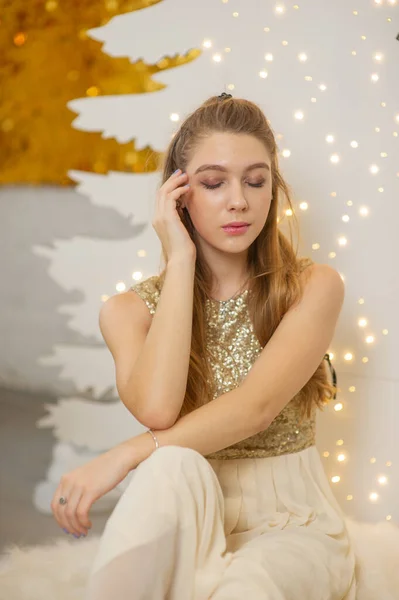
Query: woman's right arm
(152, 355)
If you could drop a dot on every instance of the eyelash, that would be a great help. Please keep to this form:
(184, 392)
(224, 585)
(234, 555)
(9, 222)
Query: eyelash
(213, 187)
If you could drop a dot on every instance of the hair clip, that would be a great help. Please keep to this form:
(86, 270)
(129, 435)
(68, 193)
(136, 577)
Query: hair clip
(224, 95)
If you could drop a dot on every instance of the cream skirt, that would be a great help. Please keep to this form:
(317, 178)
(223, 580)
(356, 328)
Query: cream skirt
(189, 528)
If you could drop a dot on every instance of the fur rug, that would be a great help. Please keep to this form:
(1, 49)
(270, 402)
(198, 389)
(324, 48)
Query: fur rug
(58, 571)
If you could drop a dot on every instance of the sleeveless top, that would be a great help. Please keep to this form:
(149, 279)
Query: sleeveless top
(234, 348)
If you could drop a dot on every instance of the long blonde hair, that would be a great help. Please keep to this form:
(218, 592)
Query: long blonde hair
(272, 264)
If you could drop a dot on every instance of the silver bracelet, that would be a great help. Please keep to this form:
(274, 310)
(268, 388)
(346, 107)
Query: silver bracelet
(155, 439)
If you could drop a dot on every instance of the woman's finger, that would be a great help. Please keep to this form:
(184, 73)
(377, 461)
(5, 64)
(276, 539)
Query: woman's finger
(56, 507)
(82, 511)
(171, 183)
(60, 510)
(64, 490)
(165, 203)
(70, 509)
(175, 194)
(175, 180)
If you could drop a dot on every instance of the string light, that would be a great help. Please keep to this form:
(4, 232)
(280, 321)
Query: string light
(137, 275)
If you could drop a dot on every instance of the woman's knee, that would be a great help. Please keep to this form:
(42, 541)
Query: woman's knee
(169, 465)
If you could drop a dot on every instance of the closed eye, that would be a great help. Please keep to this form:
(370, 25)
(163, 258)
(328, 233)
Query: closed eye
(217, 185)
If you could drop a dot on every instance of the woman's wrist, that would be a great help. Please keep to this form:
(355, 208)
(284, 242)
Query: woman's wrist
(137, 449)
(180, 261)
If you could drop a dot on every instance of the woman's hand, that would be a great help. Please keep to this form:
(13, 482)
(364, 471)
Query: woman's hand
(84, 485)
(167, 223)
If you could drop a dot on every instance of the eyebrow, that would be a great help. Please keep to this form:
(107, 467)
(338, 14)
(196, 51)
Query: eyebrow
(220, 168)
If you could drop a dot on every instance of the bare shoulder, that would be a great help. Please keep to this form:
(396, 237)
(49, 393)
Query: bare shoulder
(322, 274)
(323, 283)
(124, 309)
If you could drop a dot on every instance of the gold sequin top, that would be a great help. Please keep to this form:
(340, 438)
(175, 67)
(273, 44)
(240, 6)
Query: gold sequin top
(234, 349)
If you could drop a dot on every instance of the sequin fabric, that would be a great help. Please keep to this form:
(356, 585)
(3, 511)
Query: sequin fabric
(233, 348)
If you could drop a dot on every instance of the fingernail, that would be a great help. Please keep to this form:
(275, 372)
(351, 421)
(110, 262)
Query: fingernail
(76, 536)
(177, 170)
(66, 531)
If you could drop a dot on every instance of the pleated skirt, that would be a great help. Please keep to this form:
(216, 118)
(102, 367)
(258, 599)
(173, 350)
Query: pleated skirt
(189, 528)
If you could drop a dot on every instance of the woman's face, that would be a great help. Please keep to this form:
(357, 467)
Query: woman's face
(223, 188)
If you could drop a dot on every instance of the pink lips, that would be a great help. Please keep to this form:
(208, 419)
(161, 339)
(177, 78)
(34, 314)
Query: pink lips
(234, 230)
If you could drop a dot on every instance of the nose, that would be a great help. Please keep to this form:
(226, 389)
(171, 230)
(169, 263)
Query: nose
(236, 197)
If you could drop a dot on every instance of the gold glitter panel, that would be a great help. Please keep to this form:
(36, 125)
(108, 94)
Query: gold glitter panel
(234, 348)
(47, 59)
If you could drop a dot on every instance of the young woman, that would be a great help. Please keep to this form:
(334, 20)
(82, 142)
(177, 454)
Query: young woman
(221, 356)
